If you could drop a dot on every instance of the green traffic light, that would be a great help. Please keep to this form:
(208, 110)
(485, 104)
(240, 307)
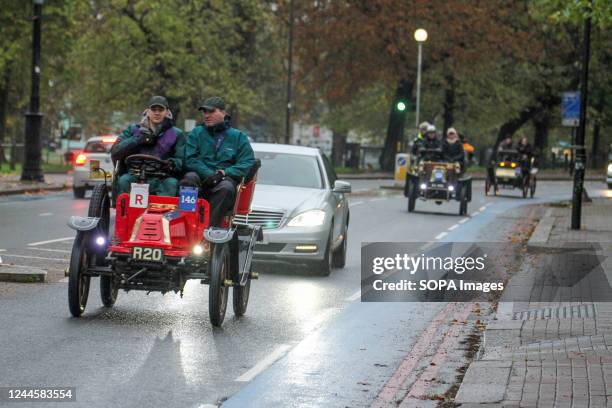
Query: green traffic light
(401, 106)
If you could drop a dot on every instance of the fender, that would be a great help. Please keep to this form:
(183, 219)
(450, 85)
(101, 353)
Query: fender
(83, 223)
(218, 235)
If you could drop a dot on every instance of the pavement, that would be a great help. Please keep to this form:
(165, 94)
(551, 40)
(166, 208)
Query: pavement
(543, 353)
(11, 184)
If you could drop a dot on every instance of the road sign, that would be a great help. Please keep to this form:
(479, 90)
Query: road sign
(570, 109)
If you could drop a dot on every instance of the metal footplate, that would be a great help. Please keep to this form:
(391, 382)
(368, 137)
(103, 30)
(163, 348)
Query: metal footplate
(218, 235)
(83, 223)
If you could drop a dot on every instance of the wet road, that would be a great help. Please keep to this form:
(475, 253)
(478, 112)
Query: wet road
(297, 339)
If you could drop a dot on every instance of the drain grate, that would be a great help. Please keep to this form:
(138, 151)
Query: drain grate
(565, 312)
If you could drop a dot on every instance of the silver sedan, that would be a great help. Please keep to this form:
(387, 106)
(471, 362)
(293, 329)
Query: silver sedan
(302, 207)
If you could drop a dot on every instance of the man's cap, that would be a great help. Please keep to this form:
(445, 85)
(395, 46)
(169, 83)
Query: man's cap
(158, 101)
(423, 125)
(212, 103)
(431, 128)
(452, 130)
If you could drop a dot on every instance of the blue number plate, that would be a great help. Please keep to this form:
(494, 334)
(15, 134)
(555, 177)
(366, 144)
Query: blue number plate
(188, 199)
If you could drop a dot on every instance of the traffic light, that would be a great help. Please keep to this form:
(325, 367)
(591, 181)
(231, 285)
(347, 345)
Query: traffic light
(400, 106)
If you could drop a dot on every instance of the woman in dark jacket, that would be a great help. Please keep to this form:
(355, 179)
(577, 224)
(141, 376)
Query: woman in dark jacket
(452, 149)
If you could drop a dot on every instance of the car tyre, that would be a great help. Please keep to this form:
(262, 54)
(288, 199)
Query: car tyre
(79, 192)
(78, 282)
(219, 271)
(411, 196)
(339, 255)
(240, 298)
(108, 291)
(324, 267)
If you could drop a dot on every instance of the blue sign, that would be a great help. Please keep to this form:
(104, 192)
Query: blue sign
(570, 109)
(188, 199)
(401, 161)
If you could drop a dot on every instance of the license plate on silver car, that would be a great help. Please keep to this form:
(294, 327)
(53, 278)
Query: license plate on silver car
(147, 254)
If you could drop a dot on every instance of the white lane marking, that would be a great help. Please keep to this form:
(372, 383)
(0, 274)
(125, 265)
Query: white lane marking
(354, 296)
(377, 199)
(453, 227)
(481, 209)
(208, 406)
(355, 203)
(441, 235)
(45, 214)
(49, 241)
(2, 250)
(475, 213)
(426, 246)
(35, 257)
(319, 320)
(265, 363)
(63, 280)
(63, 251)
(463, 221)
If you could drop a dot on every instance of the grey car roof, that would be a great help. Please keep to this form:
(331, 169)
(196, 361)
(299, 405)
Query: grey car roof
(284, 148)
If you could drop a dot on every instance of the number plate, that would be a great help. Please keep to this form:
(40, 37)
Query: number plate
(505, 173)
(188, 199)
(148, 254)
(93, 173)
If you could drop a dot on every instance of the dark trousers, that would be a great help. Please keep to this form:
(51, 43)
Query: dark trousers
(220, 197)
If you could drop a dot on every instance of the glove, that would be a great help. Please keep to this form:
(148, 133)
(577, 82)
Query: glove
(169, 166)
(213, 180)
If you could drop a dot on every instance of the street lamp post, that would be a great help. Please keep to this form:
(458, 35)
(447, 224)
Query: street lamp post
(580, 156)
(420, 35)
(31, 167)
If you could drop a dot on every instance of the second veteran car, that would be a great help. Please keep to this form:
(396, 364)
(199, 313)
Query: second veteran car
(301, 206)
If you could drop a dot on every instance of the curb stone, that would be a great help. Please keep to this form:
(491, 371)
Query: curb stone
(10, 273)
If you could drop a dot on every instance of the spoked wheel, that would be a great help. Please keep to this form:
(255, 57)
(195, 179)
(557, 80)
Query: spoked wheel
(240, 298)
(495, 188)
(217, 291)
(411, 196)
(487, 186)
(525, 187)
(108, 290)
(533, 187)
(99, 206)
(78, 281)
(463, 203)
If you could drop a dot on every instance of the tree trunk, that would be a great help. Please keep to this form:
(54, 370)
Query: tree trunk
(542, 126)
(4, 95)
(338, 146)
(395, 129)
(596, 153)
(449, 102)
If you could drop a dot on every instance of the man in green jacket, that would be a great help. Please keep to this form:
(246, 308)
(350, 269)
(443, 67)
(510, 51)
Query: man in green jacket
(218, 156)
(155, 135)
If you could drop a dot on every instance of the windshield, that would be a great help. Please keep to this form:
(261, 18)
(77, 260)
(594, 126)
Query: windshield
(292, 170)
(98, 147)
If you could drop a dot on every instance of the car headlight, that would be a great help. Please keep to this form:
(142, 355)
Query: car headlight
(312, 218)
(610, 168)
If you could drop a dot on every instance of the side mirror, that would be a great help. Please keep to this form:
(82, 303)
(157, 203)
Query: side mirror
(341, 186)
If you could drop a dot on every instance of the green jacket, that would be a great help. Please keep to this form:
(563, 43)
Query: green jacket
(234, 155)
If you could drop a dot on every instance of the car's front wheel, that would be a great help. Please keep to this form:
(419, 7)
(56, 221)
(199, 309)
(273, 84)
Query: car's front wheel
(339, 255)
(324, 266)
(79, 192)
